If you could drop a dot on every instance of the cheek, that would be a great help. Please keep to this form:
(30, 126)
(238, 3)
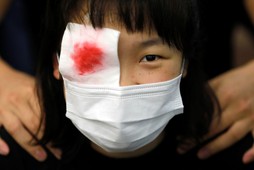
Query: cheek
(154, 76)
(166, 70)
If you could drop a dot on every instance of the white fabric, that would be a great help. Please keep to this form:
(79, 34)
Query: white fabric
(106, 39)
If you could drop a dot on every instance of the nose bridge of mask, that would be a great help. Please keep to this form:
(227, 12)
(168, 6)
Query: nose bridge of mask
(89, 55)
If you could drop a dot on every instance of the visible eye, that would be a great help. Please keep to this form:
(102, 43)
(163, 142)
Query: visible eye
(149, 58)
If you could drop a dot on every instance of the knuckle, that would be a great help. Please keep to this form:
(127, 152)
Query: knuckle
(29, 89)
(34, 125)
(13, 127)
(12, 98)
(244, 106)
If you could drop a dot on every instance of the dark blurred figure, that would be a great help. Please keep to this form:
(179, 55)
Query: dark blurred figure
(223, 23)
(19, 34)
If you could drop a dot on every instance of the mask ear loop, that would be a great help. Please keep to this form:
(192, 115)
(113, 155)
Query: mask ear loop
(183, 66)
(57, 57)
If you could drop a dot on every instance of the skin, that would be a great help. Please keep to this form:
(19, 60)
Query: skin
(144, 59)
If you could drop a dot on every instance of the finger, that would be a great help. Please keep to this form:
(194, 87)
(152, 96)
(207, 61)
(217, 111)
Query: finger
(26, 114)
(35, 107)
(34, 103)
(182, 148)
(218, 125)
(227, 139)
(222, 92)
(249, 154)
(55, 151)
(231, 114)
(24, 138)
(4, 149)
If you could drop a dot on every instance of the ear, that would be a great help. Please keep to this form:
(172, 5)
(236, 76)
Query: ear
(56, 72)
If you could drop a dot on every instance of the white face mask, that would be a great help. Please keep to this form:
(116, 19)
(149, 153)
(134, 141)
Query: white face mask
(118, 119)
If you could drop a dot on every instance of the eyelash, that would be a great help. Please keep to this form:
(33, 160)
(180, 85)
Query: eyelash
(152, 57)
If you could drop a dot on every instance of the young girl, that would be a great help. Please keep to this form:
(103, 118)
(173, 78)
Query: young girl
(120, 82)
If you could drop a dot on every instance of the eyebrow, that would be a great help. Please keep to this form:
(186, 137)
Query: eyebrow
(151, 42)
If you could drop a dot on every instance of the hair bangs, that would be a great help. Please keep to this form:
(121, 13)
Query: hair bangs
(170, 19)
(133, 15)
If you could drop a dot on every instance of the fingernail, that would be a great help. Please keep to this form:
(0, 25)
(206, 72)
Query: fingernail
(203, 153)
(40, 155)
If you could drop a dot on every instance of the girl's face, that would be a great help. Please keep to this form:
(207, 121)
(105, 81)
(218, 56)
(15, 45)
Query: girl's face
(144, 58)
(135, 58)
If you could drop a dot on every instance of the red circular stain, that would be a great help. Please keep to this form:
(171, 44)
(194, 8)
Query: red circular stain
(87, 57)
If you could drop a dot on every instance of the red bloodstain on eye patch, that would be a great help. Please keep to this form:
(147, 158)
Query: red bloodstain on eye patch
(87, 57)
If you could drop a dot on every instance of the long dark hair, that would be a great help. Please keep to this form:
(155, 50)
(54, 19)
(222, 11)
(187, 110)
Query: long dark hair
(176, 22)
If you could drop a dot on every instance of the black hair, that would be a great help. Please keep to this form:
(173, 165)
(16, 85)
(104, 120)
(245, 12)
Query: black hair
(176, 22)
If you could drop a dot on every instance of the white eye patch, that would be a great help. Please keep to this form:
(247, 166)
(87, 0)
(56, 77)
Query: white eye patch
(89, 55)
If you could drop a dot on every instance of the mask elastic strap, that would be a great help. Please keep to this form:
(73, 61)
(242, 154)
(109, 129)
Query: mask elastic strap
(57, 57)
(183, 65)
